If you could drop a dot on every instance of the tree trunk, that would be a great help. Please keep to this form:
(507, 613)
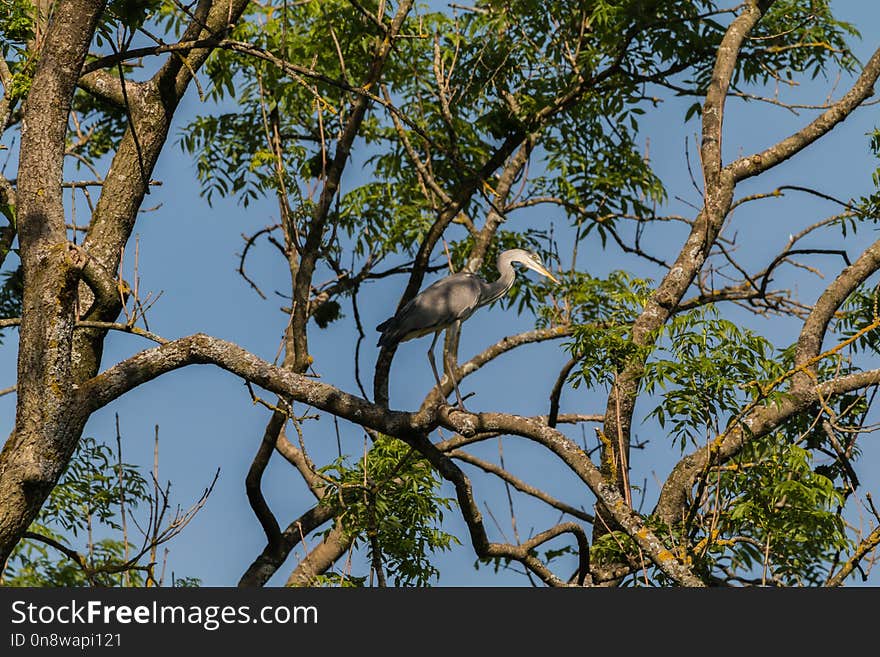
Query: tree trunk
(47, 425)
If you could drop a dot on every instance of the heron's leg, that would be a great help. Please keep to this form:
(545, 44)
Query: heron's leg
(451, 368)
(434, 369)
(431, 359)
(449, 364)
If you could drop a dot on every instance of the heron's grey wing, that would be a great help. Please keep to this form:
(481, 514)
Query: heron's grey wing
(437, 306)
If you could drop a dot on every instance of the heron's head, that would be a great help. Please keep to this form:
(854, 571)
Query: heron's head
(531, 260)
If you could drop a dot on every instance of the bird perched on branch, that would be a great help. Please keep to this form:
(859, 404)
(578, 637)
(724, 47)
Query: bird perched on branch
(454, 299)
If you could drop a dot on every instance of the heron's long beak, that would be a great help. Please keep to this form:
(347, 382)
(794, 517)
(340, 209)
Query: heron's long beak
(545, 272)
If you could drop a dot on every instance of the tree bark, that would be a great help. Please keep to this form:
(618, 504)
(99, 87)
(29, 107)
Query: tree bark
(53, 358)
(47, 423)
(718, 195)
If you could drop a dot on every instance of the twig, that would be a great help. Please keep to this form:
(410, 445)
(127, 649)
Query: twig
(520, 485)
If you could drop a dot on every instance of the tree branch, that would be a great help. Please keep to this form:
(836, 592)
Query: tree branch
(813, 331)
(275, 554)
(494, 351)
(717, 197)
(866, 546)
(582, 466)
(716, 94)
(410, 427)
(757, 423)
(254, 477)
(520, 485)
(863, 88)
(45, 435)
(315, 232)
(323, 556)
(106, 86)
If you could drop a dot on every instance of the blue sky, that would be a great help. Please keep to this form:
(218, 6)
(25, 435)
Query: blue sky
(188, 251)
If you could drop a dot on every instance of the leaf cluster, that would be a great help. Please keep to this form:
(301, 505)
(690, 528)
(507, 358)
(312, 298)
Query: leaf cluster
(772, 495)
(705, 370)
(87, 499)
(237, 147)
(389, 501)
(601, 312)
(17, 31)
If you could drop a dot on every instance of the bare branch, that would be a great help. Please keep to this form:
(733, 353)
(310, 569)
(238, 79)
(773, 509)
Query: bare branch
(329, 189)
(254, 477)
(863, 88)
(410, 427)
(520, 485)
(494, 351)
(713, 108)
(553, 415)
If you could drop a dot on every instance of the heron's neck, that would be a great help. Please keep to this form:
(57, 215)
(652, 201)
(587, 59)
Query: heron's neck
(504, 282)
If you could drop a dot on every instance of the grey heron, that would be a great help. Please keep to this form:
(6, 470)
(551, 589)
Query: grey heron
(453, 299)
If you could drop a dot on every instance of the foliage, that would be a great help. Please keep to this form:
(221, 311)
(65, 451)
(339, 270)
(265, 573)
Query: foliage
(858, 312)
(340, 580)
(16, 23)
(390, 502)
(86, 500)
(774, 514)
(568, 85)
(813, 25)
(712, 370)
(86, 505)
(16, 31)
(602, 311)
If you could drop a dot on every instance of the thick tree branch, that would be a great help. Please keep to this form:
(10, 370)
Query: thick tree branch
(813, 331)
(202, 349)
(315, 231)
(718, 195)
(151, 107)
(107, 86)
(276, 553)
(45, 434)
(459, 440)
(410, 427)
(760, 421)
(584, 468)
(254, 478)
(333, 546)
(863, 88)
(716, 94)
